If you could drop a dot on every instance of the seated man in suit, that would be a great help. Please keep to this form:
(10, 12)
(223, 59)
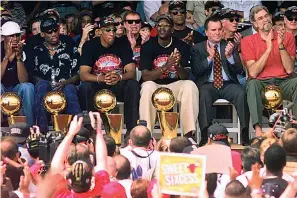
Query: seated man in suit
(215, 64)
(269, 58)
(163, 63)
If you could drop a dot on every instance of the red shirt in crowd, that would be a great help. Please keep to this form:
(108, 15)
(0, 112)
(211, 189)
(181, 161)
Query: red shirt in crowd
(101, 178)
(253, 46)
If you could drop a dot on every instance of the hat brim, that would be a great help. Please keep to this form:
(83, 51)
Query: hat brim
(290, 13)
(19, 139)
(222, 142)
(45, 29)
(20, 32)
(178, 5)
(108, 24)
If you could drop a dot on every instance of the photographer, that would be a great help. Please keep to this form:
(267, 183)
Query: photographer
(82, 171)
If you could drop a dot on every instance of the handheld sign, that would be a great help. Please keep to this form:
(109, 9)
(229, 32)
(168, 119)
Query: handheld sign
(181, 174)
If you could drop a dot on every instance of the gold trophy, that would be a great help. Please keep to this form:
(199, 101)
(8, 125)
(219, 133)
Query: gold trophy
(272, 97)
(10, 105)
(164, 100)
(55, 102)
(105, 101)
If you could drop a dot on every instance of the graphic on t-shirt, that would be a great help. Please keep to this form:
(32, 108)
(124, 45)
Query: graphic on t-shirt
(159, 62)
(136, 55)
(107, 63)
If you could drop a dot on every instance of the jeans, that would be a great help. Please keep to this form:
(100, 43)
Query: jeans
(26, 92)
(127, 91)
(41, 88)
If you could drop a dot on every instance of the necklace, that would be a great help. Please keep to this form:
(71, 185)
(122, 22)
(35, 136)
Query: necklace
(166, 46)
(51, 49)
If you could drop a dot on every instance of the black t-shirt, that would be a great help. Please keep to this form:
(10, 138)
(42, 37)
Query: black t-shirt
(180, 34)
(63, 65)
(153, 56)
(103, 60)
(14, 175)
(10, 77)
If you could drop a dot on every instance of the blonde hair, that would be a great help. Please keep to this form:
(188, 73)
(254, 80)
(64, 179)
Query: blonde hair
(163, 145)
(266, 144)
(254, 10)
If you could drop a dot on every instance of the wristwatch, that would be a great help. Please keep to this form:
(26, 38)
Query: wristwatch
(282, 48)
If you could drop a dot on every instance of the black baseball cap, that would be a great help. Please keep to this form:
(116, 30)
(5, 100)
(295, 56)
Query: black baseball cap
(82, 136)
(291, 11)
(166, 17)
(49, 13)
(48, 24)
(278, 16)
(19, 131)
(218, 133)
(227, 13)
(174, 4)
(211, 4)
(106, 21)
(146, 24)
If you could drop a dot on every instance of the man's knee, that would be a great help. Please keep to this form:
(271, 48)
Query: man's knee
(42, 84)
(27, 87)
(254, 84)
(148, 86)
(133, 84)
(86, 86)
(70, 88)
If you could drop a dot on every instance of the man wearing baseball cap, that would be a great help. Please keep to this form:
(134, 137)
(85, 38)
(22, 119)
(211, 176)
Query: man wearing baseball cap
(178, 12)
(54, 66)
(291, 25)
(14, 76)
(278, 20)
(164, 62)
(107, 63)
(230, 20)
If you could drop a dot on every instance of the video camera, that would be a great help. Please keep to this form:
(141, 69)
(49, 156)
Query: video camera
(282, 120)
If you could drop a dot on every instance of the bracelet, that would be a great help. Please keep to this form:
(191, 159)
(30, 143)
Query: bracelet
(282, 48)
(98, 78)
(19, 60)
(5, 58)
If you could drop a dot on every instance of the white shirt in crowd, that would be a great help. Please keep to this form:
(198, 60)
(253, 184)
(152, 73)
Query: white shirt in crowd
(149, 8)
(126, 183)
(248, 175)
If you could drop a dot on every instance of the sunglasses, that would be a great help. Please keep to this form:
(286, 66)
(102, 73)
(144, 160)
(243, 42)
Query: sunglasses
(17, 35)
(234, 19)
(120, 23)
(290, 18)
(175, 12)
(110, 29)
(134, 21)
(52, 30)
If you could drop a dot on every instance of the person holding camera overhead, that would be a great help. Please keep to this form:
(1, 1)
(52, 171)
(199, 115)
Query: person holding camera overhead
(107, 63)
(54, 65)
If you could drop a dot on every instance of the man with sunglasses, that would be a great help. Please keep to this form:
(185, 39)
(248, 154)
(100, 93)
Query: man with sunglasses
(132, 24)
(230, 20)
(164, 62)
(177, 11)
(14, 75)
(291, 26)
(53, 61)
(107, 63)
(269, 57)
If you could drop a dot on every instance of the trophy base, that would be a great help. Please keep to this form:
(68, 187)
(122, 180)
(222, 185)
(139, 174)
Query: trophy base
(115, 127)
(168, 124)
(16, 119)
(61, 122)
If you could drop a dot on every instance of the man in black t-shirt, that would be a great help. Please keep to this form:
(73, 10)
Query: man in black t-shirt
(54, 66)
(107, 63)
(177, 10)
(164, 61)
(14, 76)
(132, 24)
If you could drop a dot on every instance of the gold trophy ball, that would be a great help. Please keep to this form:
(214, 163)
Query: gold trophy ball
(272, 97)
(163, 99)
(10, 103)
(55, 102)
(105, 100)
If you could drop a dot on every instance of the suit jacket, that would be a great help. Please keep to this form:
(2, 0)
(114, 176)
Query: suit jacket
(202, 70)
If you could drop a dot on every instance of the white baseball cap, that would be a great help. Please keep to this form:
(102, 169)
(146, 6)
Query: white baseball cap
(10, 28)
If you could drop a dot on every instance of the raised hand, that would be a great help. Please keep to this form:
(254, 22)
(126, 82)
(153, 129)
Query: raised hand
(34, 134)
(256, 181)
(237, 37)
(97, 126)
(19, 49)
(75, 126)
(269, 40)
(85, 35)
(131, 39)
(2, 172)
(229, 49)
(9, 49)
(233, 173)
(25, 180)
(281, 36)
(145, 36)
(211, 51)
(189, 38)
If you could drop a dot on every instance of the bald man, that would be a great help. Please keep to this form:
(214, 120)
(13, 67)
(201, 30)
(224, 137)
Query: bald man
(141, 157)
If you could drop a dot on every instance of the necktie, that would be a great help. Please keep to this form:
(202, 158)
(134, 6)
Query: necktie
(217, 70)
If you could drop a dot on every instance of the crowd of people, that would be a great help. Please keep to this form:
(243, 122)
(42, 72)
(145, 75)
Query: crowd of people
(201, 50)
